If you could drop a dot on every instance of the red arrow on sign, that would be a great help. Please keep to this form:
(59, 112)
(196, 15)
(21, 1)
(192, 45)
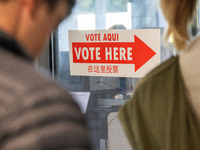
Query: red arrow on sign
(137, 52)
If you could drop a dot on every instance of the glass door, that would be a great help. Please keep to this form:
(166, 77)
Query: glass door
(105, 94)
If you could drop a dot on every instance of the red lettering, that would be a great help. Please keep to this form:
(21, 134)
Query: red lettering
(103, 69)
(111, 37)
(87, 36)
(93, 37)
(99, 37)
(104, 37)
(115, 69)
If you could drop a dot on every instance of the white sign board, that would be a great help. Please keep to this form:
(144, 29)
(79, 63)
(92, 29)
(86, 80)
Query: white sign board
(115, 53)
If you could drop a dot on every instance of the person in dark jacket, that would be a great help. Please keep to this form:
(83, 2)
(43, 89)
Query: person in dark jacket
(35, 113)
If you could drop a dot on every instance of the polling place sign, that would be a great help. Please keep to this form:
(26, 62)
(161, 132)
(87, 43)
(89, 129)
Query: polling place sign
(116, 53)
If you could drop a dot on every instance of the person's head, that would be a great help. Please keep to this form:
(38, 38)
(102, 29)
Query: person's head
(179, 14)
(117, 26)
(52, 4)
(31, 21)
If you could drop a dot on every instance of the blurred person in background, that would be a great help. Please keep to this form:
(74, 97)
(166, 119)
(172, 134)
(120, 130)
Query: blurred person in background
(164, 112)
(35, 113)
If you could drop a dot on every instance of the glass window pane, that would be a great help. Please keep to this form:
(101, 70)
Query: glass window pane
(107, 94)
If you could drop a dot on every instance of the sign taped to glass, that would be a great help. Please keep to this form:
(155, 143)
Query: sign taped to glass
(119, 53)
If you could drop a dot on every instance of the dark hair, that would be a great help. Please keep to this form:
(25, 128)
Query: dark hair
(52, 4)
